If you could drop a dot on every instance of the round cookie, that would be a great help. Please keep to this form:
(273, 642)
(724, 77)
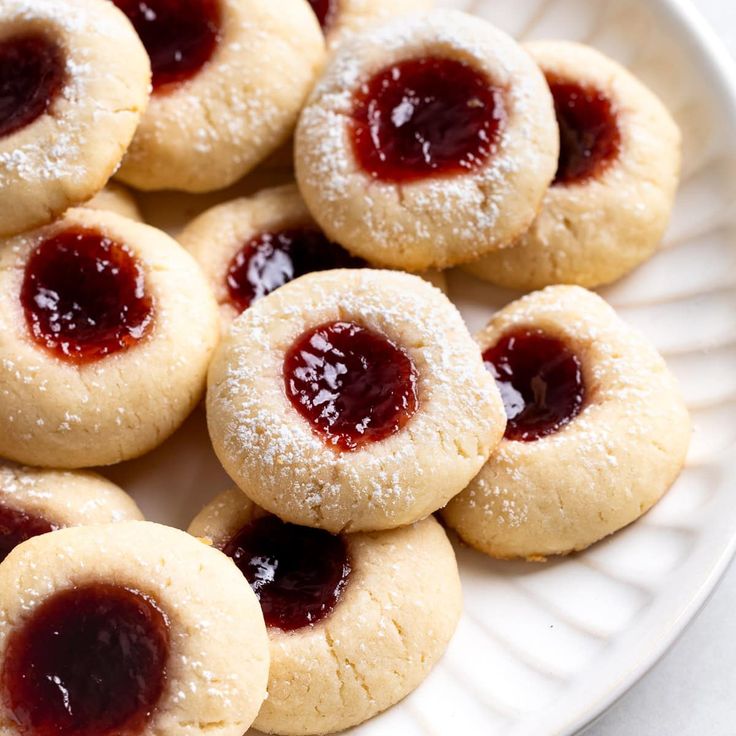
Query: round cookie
(427, 142)
(106, 331)
(73, 86)
(397, 607)
(597, 432)
(343, 19)
(611, 200)
(229, 77)
(249, 247)
(34, 502)
(116, 198)
(352, 400)
(166, 628)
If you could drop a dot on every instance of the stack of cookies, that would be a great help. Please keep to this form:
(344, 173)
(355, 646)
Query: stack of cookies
(345, 397)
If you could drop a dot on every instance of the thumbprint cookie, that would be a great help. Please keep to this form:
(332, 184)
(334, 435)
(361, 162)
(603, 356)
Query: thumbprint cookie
(34, 502)
(613, 193)
(116, 198)
(229, 80)
(106, 330)
(355, 621)
(342, 19)
(427, 142)
(73, 85)
(130, 628)
(597, 429)
(352, 400)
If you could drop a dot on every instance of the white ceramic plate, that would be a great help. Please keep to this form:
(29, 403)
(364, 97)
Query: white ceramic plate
(542, 649)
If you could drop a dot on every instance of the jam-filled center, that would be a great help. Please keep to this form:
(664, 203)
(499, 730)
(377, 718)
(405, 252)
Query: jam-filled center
(84, 296)
(540, 380)
(88, 661)
(271, 259)
(426, 117)
(32, 73)
(180, 36)
(297, 573)
(590, 139)
(326, 12)
(17, 526)
(353, 385)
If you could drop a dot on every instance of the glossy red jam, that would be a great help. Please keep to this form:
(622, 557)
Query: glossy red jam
(353, 385)
(425, 118)
(17, 526)
(270, 260)
(32, 73)
(88, 661)
(541, 383)
(297, 573)
(590, 138)
(84, 296)
(325, 10)
(180, 36)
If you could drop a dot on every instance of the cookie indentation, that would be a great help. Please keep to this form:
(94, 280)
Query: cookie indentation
(425, 118)
(89, 661)
(590, 138)
(353, 385)
(325, 10)
(17, 526)
(272, 259)
(541, 383)
(180, 36)
(85, 296)
(32, 73)
(297, 573)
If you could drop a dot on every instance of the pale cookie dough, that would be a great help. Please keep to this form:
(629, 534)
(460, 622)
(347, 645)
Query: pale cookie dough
(116, 198)
(34, 501)
(65, 155)
(217, 663)
(595, 231)
(280, 462)
(217, 236)
(59, 413)
(604, 469)
(208, 131)
(342, 19)
(439, 220)
(393, 622)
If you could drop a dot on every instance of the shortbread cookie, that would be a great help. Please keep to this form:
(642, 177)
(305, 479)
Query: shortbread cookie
(356, 622)
(116, 198)
(34, 502)
(342, 19)
(131, 628)
(428, 142)
(352, 400)
(73, 85)
(106, 331)
(597, 430)
(229, 80)
(615, 185)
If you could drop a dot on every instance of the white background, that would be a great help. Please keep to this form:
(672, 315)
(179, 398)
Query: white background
(692, 690)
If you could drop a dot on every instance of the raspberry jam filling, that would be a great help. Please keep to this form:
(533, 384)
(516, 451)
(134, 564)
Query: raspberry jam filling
(297, 573)
(352, 385)
(32, 73)
(540, 380)
(180, 36)
(88, 661)
(17, 526)
(84, 296)
(425, 118)
(325, 10)
(272, 259)
(590, 139)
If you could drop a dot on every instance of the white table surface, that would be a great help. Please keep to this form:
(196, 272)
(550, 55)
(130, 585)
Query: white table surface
(692, 690)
